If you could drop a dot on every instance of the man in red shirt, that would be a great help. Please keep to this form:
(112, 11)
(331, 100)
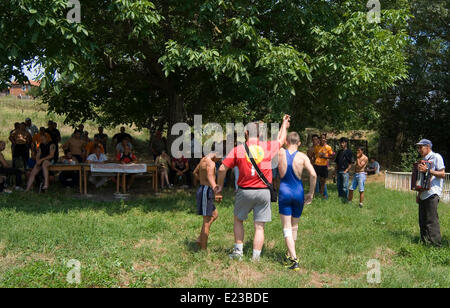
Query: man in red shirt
(252, 194)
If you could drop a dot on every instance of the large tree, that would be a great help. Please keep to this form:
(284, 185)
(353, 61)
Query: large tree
(154, 63)
(419, 106)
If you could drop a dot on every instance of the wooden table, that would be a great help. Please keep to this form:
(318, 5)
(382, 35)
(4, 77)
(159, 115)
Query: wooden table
(74, 168)
(150, 169)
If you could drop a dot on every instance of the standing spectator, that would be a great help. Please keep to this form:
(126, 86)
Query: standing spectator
(31, 128)
(44, 158)
(157, 145)
(21, 140)
(253, 194)
(117, 138)
(16, 127)
(359, 179)
(97, 158)
(428, 200)
(76, 145)
(344, 161)
(55, 135)
(311, 151)
(163, 162)
(5, 169)
(103, 138)
(373, 167)
(323, 152)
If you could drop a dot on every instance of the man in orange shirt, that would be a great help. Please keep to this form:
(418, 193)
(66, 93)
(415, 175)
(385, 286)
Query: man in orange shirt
(90, 146)
(323, 153)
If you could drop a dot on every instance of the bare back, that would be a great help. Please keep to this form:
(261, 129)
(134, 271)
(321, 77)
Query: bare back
(300, 162)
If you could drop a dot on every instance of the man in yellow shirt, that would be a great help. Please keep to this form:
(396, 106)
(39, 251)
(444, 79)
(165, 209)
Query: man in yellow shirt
(323, 153)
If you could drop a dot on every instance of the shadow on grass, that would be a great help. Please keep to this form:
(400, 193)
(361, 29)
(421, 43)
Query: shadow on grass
(64, 202)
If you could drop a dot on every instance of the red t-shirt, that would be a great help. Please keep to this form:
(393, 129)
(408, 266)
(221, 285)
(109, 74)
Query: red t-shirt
(262, 152)
(126, 158)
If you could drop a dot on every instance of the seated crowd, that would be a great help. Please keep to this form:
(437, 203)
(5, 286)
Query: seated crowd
(34, 150)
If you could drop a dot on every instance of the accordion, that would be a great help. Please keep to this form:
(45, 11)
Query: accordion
(421, 180)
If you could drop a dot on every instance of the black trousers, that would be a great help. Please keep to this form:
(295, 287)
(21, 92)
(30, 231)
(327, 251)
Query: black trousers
(13, 171)
(21, 151)
(430, 231)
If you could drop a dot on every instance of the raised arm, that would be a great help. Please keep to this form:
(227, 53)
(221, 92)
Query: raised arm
(283, 131)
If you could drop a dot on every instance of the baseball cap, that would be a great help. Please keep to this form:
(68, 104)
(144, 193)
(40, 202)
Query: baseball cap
(27, 119)
(425, 142)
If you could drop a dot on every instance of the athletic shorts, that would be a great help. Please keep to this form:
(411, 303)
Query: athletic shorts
(321, 171)
(291, 200)
(359, 179)
(256, 200)
(205, 201)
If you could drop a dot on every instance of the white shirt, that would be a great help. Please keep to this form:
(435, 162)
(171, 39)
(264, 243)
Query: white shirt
(437, 184)
(95, 159)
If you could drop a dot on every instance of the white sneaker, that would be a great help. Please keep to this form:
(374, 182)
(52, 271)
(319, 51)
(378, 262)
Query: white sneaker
(236, 254)
(18, 188)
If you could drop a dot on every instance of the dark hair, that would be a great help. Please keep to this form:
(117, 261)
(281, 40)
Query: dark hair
(361, 148)
(315, 135)
(343, 139)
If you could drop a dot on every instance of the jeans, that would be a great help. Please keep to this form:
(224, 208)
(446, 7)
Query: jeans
(342, 184)
(325, 192)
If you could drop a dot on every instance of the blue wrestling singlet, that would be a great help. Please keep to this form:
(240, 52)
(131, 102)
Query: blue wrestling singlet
(291, 198)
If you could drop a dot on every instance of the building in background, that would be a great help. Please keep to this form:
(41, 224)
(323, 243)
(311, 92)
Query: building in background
(21, 90)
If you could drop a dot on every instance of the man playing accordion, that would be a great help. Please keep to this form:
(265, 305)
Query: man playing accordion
(428, 199)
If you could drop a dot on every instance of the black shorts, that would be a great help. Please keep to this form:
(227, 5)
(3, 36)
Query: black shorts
(321, 171)
(205, 201)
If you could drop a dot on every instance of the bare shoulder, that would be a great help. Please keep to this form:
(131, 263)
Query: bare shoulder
(301, 156)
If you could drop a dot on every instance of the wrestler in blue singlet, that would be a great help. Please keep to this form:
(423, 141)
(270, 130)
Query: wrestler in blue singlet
(291, 198)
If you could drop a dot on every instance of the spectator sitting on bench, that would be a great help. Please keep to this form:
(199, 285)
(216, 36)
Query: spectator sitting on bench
(76, 146)
(120, 148)
(180, 170)
(373, 167)
(127, 157)
(163, 163)
(90, 146)
(97, 158)
(68, 178)
(44, 158)
(6, 170)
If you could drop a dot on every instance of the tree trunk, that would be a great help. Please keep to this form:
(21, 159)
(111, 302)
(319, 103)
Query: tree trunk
(176, 115)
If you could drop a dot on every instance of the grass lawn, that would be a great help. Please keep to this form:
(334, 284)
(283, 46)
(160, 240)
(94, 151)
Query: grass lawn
(150, 243)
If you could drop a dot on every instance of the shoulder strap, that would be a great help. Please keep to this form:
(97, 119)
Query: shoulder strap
(252, 160)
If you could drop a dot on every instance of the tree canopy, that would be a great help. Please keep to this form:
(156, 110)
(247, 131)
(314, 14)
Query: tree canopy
(154, 63)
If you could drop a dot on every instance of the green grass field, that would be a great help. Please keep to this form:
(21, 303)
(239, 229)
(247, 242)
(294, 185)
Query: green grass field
(150, 243)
